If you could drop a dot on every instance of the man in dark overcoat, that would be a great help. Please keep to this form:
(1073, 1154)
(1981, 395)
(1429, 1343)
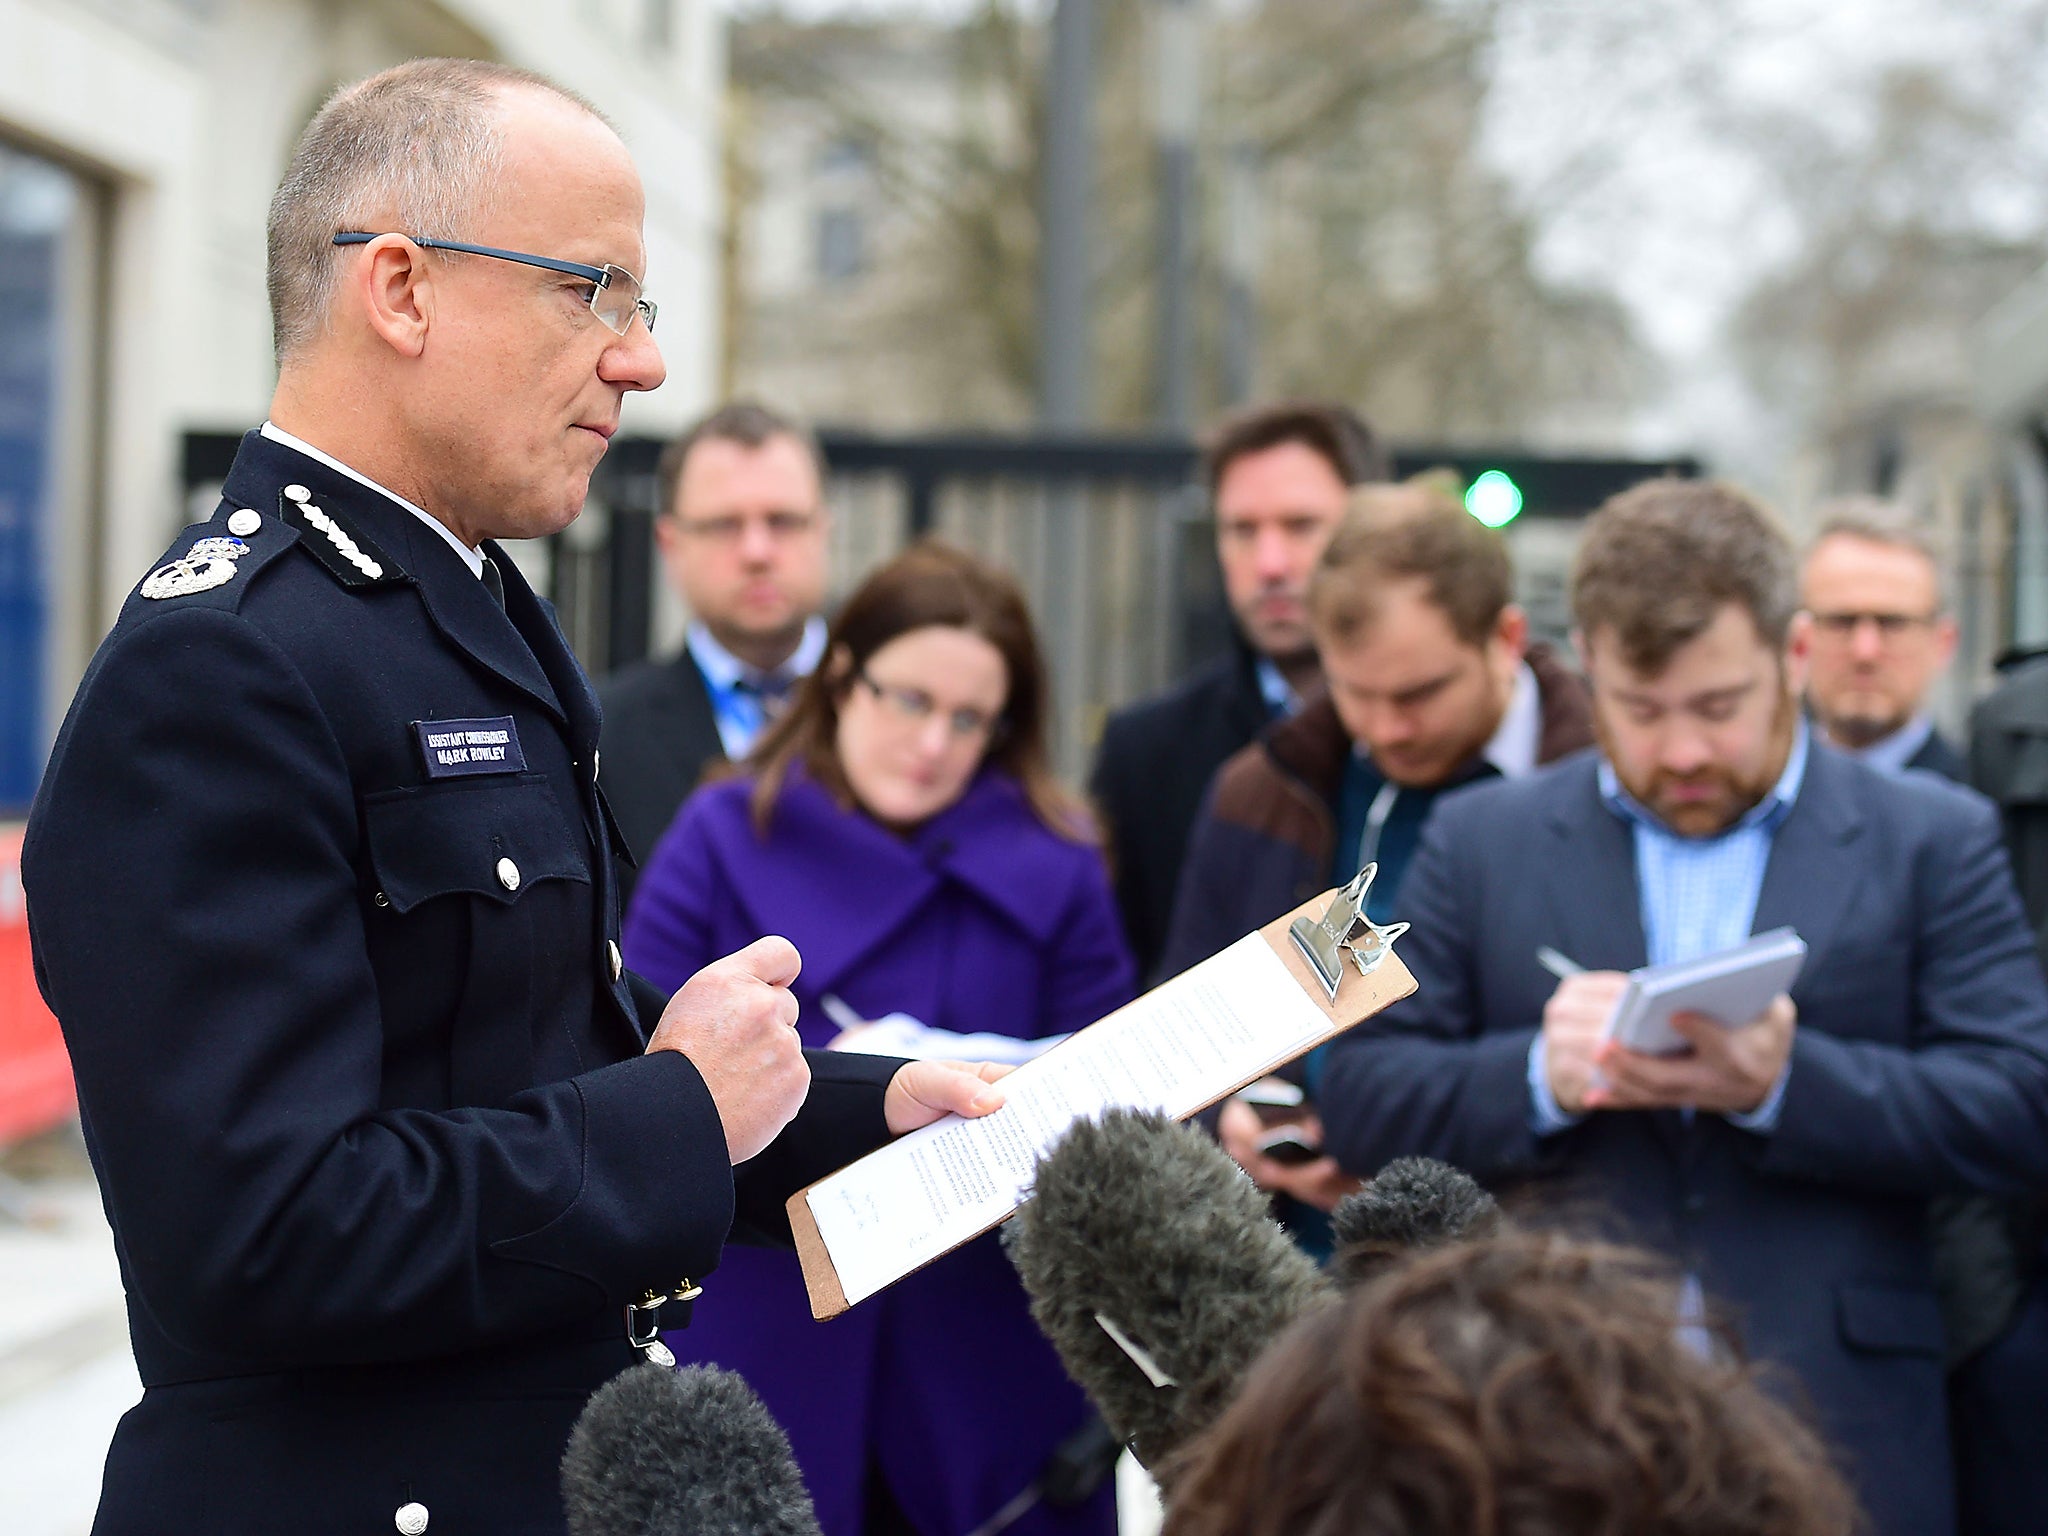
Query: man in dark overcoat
(319, 881)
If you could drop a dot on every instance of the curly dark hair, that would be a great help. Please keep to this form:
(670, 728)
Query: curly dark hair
(1521, 1385)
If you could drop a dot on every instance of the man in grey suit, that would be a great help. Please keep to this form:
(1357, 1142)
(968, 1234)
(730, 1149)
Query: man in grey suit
(743, 537)
(1784, 1162)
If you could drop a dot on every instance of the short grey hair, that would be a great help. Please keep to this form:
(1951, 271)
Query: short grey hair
(415, 149)
(1877, 521)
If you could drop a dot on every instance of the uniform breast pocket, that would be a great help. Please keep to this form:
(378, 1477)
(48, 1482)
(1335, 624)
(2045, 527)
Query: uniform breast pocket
(482, 890)
(491, 838)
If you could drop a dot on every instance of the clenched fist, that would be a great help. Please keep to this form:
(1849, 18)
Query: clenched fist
(736, 1021)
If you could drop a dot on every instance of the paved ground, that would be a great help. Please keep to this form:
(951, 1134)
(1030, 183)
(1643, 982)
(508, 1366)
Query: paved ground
(65, 1371)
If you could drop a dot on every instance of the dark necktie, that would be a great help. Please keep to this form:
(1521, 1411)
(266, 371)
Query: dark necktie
(493, 582)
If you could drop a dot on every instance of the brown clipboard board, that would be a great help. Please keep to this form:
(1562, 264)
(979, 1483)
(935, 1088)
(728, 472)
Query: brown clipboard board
(1358, 999)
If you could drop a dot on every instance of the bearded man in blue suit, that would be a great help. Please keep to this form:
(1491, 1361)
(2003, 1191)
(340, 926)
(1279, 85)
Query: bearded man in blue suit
(1785, 1162)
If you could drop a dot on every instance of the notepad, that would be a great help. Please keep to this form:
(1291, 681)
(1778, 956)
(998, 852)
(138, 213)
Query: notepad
(1734, 986)
(1181, 1047)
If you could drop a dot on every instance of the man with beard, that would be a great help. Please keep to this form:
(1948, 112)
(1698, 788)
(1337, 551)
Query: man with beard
(1431, 685)
(1784, 1161)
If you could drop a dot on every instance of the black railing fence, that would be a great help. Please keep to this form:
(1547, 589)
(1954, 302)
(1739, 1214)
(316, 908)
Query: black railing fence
(1109, 536)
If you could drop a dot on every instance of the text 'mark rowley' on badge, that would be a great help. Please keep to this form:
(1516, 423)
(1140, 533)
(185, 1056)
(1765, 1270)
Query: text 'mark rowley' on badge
(453, 748)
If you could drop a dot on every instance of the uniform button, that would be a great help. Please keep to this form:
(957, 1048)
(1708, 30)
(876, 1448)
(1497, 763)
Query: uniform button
(380, 900)
(300, 493)
(508, 874)
(611, 947)
(244, 522)
(411, 1519)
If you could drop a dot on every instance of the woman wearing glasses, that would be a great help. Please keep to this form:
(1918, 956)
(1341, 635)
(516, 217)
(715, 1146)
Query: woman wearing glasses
(901, 825)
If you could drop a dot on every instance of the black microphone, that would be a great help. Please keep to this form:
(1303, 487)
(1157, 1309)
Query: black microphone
(658, 1452)
(1412, 1204)
(1152, 1267)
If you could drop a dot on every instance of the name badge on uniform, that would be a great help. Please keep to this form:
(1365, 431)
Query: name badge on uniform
(454, 748)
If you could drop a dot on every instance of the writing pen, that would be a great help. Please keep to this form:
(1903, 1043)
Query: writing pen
(1560, 965)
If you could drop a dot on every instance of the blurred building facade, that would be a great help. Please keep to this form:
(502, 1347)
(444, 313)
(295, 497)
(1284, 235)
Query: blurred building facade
(140, 141)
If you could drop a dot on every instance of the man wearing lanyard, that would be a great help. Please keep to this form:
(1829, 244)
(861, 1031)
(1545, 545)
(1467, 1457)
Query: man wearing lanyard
(743, 534)
(1785, 1162)
(1431, 685)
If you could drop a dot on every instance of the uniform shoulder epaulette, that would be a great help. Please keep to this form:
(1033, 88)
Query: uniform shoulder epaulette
(350, 555)
(227, 545)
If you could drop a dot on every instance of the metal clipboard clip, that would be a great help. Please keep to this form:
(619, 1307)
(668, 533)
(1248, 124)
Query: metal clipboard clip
(1345, 929)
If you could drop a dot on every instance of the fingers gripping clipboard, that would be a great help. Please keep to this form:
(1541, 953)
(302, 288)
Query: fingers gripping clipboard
(1270, 998)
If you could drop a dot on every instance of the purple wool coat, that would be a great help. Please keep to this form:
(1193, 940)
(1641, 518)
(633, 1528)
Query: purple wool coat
(981, 920)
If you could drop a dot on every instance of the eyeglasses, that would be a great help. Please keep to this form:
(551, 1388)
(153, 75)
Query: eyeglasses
(913, 706)
(615, 294)
(1890, 626)
(783, 527)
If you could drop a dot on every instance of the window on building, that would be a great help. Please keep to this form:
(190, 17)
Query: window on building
(842, 245)
(46, 354)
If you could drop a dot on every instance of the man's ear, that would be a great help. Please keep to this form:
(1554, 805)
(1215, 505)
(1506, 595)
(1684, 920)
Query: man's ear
(1799, 653)
(1511, 629)
(394, 289)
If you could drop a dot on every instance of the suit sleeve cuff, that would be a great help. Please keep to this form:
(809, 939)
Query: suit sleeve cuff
(1546, 1116)
(1764, 1118)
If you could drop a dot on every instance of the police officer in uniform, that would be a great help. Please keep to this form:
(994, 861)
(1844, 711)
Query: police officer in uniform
(319, 884)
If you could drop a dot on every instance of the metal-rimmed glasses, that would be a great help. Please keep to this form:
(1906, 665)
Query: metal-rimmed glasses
(913, 706)
(615, 293)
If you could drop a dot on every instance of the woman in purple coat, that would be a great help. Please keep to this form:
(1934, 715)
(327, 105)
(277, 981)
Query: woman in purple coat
(900, 824)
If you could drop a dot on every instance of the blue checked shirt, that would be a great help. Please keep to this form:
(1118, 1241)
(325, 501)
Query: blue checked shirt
(1698, 896)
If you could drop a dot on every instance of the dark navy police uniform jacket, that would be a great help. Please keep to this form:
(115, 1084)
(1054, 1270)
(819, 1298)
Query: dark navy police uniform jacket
(361, 1077)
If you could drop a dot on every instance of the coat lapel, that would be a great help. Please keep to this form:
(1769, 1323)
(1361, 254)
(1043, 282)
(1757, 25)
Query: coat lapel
(1591, 875)
(1804, 885)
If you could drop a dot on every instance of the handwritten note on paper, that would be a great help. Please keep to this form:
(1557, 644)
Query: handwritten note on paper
(1177, 1048)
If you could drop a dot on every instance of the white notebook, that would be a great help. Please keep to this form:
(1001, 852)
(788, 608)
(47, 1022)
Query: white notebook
(1733, 986)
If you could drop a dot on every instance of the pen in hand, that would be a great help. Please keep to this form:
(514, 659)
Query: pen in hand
(1560, 965)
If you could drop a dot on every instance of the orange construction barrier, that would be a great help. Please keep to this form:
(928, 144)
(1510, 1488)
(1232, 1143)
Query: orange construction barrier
(35, 1072)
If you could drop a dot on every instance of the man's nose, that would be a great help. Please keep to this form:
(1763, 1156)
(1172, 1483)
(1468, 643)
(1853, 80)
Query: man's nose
(1274, 555)
(1866, 641)
(757, 541)
(634, 360)
(1683, 748)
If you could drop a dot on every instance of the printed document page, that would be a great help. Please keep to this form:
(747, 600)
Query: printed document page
(1179, 1047)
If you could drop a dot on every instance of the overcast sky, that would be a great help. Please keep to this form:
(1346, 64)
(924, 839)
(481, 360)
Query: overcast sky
(1610, 118)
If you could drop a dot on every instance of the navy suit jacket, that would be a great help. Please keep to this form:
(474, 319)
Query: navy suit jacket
(1920, 1064)
(361, 1078)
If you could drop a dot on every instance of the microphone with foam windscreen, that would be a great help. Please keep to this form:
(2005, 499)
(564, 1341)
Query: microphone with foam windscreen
(1152, 1267)
(660, 1452)
(1412, 1204)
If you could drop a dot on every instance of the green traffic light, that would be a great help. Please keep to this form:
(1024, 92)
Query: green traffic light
(1494, 499)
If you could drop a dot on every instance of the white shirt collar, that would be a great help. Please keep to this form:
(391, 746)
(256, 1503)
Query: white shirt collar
(473, 558)
(1519, 737)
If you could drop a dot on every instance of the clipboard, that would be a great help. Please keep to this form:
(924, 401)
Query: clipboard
(1304, 940)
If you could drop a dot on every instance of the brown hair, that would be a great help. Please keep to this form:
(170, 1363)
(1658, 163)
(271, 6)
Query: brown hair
(928, 584)
(1337, 433)
(1659, 562)
(746, 422)
(1393, 533)
(1524, 1385)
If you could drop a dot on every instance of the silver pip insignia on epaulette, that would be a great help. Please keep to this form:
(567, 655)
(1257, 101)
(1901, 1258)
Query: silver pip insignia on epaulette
(334, 533)
(207, 564)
